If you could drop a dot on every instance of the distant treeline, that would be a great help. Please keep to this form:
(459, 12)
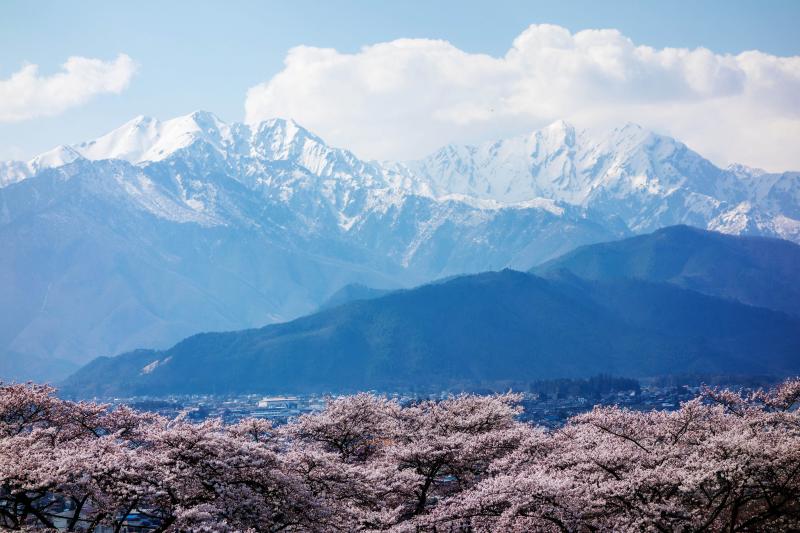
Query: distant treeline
(588, 388)
(715, 380)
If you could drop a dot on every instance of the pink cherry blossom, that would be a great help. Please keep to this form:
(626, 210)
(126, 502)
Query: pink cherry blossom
(727, 460)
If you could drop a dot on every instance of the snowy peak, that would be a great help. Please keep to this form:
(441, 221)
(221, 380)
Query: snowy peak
(280, 139)
(129, 142)
(285, 131)
(744, 172)
(58, 156)
(16, 171)
(646, 179)
(557, 135)
(557, 162)
(148, 139)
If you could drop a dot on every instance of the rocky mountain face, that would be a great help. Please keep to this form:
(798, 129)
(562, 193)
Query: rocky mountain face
(162, 229)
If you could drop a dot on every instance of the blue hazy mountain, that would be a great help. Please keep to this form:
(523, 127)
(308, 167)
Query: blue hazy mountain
(159, 230)
(221, 227)
(754, 270)
(473, 329)
(19, 368)
(351, 293)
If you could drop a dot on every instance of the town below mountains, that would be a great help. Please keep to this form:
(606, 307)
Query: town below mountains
(477, 264)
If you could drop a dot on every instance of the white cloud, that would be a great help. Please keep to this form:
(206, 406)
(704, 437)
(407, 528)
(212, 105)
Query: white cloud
(27, 94)
(405, 98)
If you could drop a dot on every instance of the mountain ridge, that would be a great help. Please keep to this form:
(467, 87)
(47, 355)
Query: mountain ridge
(213, 226)
(628, 171)
(491, 327)
(760, 271)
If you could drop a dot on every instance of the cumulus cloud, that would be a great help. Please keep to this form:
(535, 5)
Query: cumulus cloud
(27, 94)
(405, 98)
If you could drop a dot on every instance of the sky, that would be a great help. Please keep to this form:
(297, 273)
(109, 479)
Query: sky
(395, 80)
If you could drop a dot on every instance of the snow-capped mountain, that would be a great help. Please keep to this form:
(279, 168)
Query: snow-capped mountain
(158, 230)
(648, 180)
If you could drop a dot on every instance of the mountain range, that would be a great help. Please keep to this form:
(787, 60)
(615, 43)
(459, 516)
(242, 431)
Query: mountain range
(159, 230)
(503, 327)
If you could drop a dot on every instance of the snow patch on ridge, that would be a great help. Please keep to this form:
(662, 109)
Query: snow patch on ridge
(148, 369)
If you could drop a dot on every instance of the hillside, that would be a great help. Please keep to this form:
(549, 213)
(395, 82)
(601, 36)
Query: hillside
(489, 327)
(754, 270)
(351, 293)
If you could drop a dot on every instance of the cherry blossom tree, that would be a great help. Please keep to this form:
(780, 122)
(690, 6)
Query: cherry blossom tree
(726, 460)
(721, 462)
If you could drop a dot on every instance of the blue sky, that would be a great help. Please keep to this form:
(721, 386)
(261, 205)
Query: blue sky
(206, 55)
